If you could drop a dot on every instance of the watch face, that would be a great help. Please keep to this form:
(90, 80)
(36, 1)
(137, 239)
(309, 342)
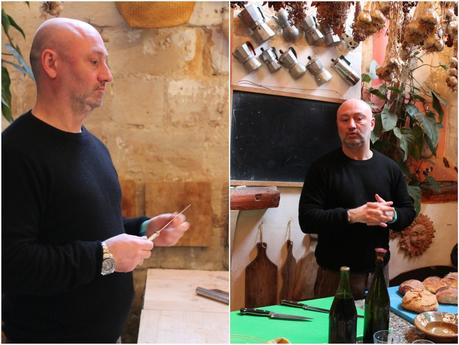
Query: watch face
(108, 266)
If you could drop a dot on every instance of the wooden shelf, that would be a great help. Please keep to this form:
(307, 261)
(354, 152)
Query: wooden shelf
(254, 198)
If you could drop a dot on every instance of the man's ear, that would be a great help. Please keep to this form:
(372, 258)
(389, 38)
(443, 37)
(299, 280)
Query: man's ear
(49, 63)
(373, 122)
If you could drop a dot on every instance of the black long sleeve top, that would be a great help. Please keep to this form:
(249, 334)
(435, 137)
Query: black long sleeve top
(61, 198)
(336, 183)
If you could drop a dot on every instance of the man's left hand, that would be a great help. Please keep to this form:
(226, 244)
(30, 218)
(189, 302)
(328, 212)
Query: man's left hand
(172, 233)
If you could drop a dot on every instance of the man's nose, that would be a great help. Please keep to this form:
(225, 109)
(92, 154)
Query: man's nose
(105, 74)
(352, 123)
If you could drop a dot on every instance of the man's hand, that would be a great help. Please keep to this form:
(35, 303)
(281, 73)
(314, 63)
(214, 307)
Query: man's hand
(373, 213)
(128, 251)
(172, 233)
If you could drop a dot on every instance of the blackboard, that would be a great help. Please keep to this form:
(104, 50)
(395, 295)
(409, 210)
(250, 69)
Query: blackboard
(276, 138)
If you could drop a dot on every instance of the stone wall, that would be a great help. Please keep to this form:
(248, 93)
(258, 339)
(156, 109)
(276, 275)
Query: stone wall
(165, 115)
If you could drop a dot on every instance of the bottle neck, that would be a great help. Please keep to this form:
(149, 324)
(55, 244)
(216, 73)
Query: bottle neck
(344, 288)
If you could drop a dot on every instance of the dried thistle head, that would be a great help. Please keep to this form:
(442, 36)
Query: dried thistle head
(53, 8)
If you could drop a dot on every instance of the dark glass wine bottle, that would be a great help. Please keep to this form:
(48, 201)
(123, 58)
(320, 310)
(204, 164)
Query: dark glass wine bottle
(342, 326)
(377, 302)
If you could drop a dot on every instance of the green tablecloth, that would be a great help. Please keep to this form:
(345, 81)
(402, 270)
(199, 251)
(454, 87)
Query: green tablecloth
(258, 329)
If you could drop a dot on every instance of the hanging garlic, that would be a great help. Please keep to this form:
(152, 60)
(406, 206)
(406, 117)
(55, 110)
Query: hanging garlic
(452, 72)
(453, 62)
(450, 14)
(439, 45)
(452, 28)
(378, 18)
(451, 82)
(430, 16)
(364, 17)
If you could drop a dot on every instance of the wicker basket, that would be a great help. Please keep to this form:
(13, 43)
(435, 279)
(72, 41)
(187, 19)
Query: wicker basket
(159, 14)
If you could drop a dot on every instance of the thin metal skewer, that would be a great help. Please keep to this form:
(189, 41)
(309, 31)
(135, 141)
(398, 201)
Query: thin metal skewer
(157, 233)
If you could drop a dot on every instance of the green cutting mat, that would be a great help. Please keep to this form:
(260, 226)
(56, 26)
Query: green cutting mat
(258, 329)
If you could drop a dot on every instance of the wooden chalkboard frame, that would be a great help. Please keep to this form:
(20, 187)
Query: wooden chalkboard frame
(265, 183)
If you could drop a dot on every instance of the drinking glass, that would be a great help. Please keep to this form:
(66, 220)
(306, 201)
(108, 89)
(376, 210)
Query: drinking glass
(385, 337)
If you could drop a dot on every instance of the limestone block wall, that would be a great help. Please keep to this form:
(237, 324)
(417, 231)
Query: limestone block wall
(165, 115)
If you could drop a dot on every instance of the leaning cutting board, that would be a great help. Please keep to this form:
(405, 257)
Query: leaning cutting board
(260, 280)
(288, 273)
(396, 301)
(169, 197)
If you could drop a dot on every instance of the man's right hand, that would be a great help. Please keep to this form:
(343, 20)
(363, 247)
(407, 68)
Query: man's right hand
(129, 251)
(372, 213)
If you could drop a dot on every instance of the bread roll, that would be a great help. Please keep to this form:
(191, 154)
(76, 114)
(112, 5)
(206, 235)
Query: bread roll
(447, 295)
(409, 285)
(450, 279)
(419, 301)
(433, 284)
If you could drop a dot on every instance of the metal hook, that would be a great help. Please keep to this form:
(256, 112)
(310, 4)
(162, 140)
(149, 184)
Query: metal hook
(260, 230)
(289, 229)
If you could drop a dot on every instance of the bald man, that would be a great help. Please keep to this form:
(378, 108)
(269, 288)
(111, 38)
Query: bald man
(350, 198)
(67, 253)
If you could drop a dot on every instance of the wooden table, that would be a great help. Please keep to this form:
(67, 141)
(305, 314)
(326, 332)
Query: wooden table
(173, 313)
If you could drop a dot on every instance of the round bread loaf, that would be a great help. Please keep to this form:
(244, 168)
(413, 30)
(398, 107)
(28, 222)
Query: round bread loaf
(434, 283)
(450, 279)
(447, 295)
(409, 285)
(419, 301)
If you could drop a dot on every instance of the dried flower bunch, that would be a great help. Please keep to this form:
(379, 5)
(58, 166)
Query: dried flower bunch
(333, 14)
(296, 10)
(52, 8)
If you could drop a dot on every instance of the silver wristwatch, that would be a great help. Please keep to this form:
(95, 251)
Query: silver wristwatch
(108, 261)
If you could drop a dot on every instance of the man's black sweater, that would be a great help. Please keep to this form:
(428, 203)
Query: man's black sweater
(336, 183)
(61, 198)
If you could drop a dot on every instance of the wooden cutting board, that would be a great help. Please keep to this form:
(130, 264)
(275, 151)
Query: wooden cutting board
(260, 280)
(305, 277)
(129, 205)
(288, 273)
(169, 197)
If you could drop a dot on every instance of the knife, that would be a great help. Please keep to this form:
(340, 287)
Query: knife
(272, 315)
(306, 307)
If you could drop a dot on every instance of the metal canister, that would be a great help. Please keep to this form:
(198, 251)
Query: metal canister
(251, 15)
(343, 67)
(331, 39)
(317, 69)
(289, 60)
(245, 54)
(312, 34)
(269, 57)
(289, 31)
(262, 32)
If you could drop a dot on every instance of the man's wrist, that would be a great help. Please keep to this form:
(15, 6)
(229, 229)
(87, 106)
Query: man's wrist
(349, 216)
(144, 228)
(394, 218)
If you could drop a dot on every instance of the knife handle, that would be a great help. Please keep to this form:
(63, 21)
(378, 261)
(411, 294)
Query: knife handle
(291, 303)
(254, 311)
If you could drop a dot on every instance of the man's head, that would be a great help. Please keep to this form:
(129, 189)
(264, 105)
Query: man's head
(69, 60)
(355, 122)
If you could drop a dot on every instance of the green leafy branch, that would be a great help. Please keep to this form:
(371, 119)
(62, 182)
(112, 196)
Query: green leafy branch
(407, 122)
(12, 58)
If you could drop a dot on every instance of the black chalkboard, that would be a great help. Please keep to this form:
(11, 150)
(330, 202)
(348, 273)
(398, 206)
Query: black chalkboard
(276, 138)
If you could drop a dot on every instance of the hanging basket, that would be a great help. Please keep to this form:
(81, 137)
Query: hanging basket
(149, 15)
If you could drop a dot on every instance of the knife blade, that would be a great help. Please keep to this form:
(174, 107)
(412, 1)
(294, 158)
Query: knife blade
(296, 304)
(272, 315)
